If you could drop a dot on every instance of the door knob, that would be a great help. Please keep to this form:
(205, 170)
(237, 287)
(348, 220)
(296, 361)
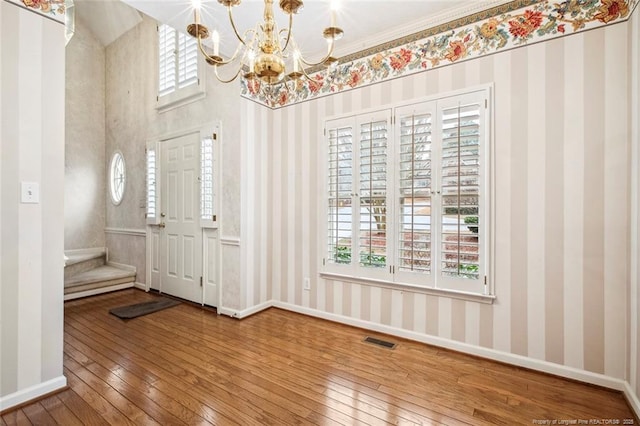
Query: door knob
(162, 225)
(162, 215)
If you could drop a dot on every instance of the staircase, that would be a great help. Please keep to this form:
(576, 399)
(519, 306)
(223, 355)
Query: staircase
(87, 272)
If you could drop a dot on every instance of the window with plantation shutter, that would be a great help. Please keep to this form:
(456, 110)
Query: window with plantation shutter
(357, 182)
(178, 68)
(411, 198)
(151, 185)
(207, 193)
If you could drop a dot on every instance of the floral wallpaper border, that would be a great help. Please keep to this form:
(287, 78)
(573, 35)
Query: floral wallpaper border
(53, 9)
(507, 29)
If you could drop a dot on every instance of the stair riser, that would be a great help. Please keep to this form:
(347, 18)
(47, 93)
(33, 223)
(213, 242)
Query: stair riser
(100, 284)
(87, 265)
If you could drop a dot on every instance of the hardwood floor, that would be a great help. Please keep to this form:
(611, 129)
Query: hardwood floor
(186, 365)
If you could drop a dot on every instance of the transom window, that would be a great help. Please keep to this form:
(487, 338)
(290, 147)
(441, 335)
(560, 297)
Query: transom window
(407, 194)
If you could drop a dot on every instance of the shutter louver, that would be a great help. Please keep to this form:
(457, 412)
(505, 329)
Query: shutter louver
(460, 186)
(414, 249)
(340, 184)
(373, 194)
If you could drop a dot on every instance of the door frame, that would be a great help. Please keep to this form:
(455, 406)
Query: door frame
(210, 233)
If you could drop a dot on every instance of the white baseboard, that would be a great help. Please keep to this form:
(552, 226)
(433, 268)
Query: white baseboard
(31, 393)
(140, 286)
(122, 266)
(518, 360)
(632, 399)
(234, 313)
(95, 291)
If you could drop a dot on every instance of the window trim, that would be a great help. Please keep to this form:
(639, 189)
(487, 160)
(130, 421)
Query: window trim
(179, 96)
(351, 273)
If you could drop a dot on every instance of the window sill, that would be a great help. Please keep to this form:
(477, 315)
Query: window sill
(471, 297)
(182, 97)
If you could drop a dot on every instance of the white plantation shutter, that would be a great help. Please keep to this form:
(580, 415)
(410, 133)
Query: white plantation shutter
(373, 194)
(340, 191)
(152, 199)
(167, 59)
(207, 211)
(414, 192)
(178, 60)
(462, 212)
(460, 171)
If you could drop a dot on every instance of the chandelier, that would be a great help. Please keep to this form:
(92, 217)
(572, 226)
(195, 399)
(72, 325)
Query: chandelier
(264, 54)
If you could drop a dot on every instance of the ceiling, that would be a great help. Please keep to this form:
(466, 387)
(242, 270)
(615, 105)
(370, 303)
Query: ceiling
(366, 23)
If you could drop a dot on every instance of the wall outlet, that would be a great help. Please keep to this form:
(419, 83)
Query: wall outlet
(307, 283)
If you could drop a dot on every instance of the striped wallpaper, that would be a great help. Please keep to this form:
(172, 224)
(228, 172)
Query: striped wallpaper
(562, 202)
(634, 349)
(32, 63)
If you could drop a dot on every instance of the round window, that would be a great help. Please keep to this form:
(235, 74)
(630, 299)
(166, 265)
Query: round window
(117, 177)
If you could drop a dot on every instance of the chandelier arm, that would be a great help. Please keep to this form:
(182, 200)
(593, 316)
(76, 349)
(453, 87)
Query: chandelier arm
(216, 60)
(226, 81)
(233, 25)
(312, 64)
(286, 44)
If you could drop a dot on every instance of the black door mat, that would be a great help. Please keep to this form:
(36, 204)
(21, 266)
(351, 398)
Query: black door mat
(139, 309)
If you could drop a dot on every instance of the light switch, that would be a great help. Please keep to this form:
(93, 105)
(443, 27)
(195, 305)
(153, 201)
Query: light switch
(30, 192)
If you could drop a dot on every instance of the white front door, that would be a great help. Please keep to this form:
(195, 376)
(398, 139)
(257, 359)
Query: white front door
(181, 239)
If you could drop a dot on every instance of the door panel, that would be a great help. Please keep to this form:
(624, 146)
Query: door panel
(181, 239)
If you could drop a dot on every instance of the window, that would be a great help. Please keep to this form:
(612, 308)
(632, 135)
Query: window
(117, 177)
(407, 202)
(151, 186)
(207, 211)
(178, 67)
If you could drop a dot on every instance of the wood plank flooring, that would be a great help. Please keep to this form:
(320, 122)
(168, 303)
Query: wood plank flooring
(186, 365)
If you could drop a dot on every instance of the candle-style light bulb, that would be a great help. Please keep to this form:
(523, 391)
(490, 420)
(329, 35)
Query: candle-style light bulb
(252, 60)
(335, 5)
(296, 58)
(215, 37)
(196, 10)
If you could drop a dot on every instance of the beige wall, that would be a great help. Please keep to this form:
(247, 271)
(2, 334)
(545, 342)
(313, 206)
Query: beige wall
(85, 178)
(32, 61)
(561, 197)
(132, 120)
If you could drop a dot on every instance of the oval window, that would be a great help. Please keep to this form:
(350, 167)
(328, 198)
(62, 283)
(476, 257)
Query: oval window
(117, 177)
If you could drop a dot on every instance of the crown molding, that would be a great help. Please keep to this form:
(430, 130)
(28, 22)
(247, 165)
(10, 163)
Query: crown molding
(453, 14)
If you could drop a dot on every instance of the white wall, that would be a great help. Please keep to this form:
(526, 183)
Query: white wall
(32, 59)
(85, 177)
(562, 207)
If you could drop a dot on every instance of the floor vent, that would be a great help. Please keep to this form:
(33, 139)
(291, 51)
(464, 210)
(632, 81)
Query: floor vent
(379, 342)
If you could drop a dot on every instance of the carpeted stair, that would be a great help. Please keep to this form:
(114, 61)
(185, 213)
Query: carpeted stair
(87, 272)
